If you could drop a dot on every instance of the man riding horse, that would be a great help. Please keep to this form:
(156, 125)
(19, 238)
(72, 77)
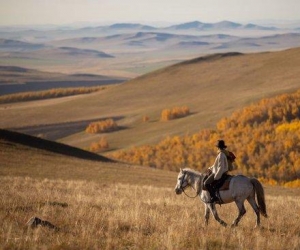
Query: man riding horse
(217, 170)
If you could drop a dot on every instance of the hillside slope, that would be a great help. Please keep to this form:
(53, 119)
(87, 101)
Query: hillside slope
(50, 146)
(25, 156)
(18, 79)
(212, 87)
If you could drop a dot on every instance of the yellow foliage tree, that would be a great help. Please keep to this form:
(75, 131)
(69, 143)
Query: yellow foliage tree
(108, 125)
(45, 94)
(264, 136)
(102, 144)
(174, 113)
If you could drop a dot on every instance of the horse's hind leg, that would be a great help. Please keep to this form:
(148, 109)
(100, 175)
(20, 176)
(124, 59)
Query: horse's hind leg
(242, 211)
(253, 204)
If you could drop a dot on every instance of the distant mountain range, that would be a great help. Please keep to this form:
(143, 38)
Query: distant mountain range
(39, 35)
(130, 49)
(194, 25)
(131, 26)
(219, 25)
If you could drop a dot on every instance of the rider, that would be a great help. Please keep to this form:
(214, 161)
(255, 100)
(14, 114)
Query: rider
(216, 171)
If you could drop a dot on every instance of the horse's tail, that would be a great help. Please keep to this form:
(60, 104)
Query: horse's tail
(260, 195)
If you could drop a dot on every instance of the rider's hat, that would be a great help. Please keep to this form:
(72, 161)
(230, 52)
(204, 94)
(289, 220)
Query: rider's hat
(221, 144)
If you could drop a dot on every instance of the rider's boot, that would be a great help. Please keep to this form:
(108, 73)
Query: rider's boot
(212, 193)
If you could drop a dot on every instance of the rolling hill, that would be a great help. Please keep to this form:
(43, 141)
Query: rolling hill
(225, 25)
(27, 156)
(212, 87)
(15, 45)
(18, 79)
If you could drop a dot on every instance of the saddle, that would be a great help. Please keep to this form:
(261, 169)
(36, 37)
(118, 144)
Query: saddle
(221, 184)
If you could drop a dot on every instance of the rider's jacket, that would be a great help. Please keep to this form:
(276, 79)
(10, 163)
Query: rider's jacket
(220, 165)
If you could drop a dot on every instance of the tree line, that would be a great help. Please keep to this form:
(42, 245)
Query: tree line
(265, 137)
(46, 94)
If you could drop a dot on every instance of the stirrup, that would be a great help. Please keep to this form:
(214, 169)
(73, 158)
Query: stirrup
(213, 199)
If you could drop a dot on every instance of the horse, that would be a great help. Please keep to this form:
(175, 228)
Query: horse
(241, 188)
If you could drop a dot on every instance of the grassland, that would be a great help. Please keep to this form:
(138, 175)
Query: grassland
(212, 87)
(112, 205)
(102, 205)
(93, 215)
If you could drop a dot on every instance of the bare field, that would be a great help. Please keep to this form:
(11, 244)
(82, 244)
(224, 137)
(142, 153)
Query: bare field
(93, 215)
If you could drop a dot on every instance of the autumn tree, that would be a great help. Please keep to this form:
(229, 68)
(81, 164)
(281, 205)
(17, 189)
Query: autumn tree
(265, 137)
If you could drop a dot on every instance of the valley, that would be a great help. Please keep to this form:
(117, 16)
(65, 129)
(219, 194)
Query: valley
(245, 78)
(217, 72)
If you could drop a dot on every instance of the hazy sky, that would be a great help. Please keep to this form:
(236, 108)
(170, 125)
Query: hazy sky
(69, 11)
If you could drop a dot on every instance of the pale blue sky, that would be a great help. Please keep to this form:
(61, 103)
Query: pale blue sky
(27, 12)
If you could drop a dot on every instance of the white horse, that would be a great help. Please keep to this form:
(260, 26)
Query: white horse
(241, 188)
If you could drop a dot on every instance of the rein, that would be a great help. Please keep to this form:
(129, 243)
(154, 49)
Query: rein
(190, 196)
(182, 188)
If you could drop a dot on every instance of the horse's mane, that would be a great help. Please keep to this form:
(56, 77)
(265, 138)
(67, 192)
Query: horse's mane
(192, 171)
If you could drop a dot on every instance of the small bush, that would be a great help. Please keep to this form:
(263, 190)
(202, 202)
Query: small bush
(293, 184)
(102, 144)
(174, 113)
(146, 118)
(108, 125)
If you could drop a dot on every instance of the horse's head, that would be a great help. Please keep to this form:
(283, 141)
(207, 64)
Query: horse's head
(182, 182)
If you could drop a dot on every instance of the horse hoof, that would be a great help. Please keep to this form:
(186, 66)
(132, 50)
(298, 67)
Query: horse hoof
(224, 224)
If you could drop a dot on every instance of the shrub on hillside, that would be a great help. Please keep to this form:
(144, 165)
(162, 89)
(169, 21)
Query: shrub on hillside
(102, 144)
(293, 184)
(174, 113)
(145, 118)
(107, 125)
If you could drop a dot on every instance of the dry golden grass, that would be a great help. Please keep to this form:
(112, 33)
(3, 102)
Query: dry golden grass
(92, 215)
(115, 206)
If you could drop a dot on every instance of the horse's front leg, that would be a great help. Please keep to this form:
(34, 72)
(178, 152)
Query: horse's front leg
(206, 215)
(213, 209)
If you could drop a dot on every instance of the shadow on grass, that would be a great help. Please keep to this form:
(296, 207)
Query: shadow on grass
(51, 146)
